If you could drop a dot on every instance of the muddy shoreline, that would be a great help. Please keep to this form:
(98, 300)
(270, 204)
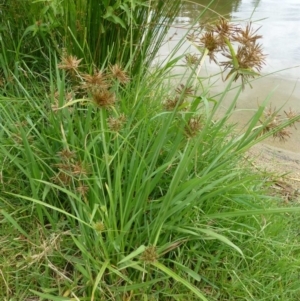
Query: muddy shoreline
(283, 165)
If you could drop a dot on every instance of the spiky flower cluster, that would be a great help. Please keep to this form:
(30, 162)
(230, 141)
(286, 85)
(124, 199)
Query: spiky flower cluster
(222, 38)
(214, 38)
(69, 63)
(272, 120)
(115, 124)
(69, 170)
(191, 59)
(99, 84)
(193, 126)
(182, 93)
(181, 102)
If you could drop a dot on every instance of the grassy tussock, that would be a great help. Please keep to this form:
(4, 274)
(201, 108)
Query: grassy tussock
(117, 186)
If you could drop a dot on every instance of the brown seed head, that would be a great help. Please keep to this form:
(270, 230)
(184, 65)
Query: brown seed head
(184, 90)
(62, 178)
(248, 57)
(18, 139)
(68, 98)
(69, 63)
(250, 61)
(271, 113)
(79, 169)
(104, 98)
(271, 118)
(192, 37)
(291, 114)
(251, 57)
(66, 167)
(82, 189)
(119, 74)
(224, 29)
(193, 126)
(191, 59)
(115, 124)
(66, 154)
(282, 135)
(211, 43)
(171, 103)
(246, 36)
(96, 81)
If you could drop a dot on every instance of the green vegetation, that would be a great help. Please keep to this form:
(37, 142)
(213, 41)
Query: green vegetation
(116, 185)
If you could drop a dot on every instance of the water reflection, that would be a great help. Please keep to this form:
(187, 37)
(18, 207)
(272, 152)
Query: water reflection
(255, 3)
(191, 10)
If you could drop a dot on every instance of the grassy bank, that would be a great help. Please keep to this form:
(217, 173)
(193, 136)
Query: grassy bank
(116, 185)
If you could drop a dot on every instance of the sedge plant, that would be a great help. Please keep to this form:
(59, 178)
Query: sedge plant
(116, 188)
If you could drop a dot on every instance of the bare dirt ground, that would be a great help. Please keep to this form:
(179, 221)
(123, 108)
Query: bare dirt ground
(284, 164)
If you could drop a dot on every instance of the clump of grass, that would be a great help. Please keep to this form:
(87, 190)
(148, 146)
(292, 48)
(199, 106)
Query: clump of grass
(116, 188)
(130, 207)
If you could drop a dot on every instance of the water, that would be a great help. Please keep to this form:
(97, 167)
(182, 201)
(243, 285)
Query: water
(279, 23)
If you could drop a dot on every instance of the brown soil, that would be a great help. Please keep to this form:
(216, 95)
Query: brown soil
(283, 164)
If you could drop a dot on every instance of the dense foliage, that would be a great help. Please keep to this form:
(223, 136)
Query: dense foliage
(117, 184)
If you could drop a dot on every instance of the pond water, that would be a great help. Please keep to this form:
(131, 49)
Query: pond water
(279, 23)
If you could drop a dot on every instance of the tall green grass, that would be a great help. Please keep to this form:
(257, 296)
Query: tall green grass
(125, 32)
(144, 198)
(149, 209)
